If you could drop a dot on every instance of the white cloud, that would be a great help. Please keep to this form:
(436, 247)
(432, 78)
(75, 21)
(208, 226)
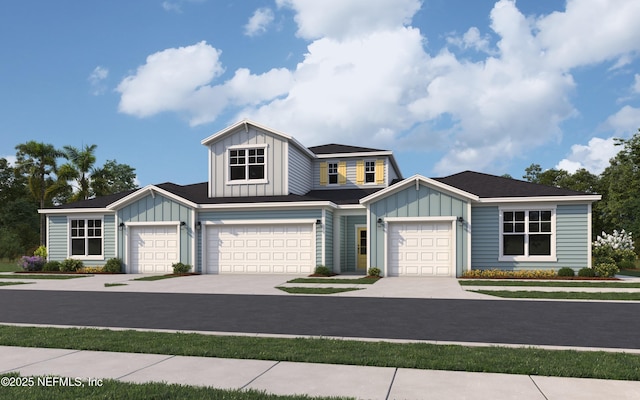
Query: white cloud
(339, 19)
(172, 6)
(96, 80)
(471, 39)
(11, 160)
(594, 157)
(636, 84)
(259, 22)
(625, 122)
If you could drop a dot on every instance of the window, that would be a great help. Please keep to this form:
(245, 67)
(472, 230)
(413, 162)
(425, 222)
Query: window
(369, 171)
(247, 164)
(528, 234)
(86, 237)
(333, 173)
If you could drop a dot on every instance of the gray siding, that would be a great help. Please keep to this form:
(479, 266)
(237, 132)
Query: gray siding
(424, 202)
(59, 238)
(300, 167)
(275, 165)
(572, 244)
(160, 209)
(351, 173)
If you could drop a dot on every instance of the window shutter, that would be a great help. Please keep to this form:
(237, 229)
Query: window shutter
(324, 174)
(379, 172)
(360, 172)
(342, 172)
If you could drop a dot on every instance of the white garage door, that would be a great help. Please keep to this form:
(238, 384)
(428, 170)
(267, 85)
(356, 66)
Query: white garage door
(153, 249)
(420, 249)
(260, 249)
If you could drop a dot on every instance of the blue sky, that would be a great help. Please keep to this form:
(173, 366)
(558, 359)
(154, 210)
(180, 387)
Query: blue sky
(448, 85)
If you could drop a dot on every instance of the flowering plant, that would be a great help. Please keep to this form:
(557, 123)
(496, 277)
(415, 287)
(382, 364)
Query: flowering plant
(32, 263)
(617, 246)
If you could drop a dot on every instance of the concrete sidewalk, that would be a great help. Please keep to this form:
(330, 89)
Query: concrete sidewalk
(287, 378)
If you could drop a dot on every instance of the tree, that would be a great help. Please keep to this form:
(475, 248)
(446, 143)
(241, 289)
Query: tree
(113, 178)
(37, 161)
(550, 177)
(79, 168)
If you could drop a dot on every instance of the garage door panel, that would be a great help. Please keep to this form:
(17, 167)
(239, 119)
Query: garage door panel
(153, 249)
(420, 249)
(275, 248)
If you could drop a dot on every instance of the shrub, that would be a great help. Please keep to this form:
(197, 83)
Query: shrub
(113, 265)
(90, 270)
(506, 274)
(180, 268)
(566, 271)
(587, 272)
(374, 271)
(617, 246)
(32, 263)
(322, 270)
(606, 269)
(70, 265)
(51, 266)
(627, 264)
(41, 251)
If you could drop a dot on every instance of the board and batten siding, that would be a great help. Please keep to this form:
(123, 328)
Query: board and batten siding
(423, 202)
(350, 175)
(572, 242)
(276, 152)
(160, 209)
(58, 238)
(281, 215)
(300, 166)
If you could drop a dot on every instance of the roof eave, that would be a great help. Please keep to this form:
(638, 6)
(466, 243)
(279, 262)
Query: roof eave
(537, 199)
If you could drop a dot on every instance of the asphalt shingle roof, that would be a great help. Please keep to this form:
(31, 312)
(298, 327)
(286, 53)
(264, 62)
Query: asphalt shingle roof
(334, 148)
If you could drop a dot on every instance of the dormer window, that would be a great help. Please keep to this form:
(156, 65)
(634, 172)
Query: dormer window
(369, 171)
(247, 164)
(333, 173)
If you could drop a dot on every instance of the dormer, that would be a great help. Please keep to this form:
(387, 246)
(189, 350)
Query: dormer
(340, 166)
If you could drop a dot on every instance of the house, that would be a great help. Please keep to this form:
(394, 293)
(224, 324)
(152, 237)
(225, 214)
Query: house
(273, 206)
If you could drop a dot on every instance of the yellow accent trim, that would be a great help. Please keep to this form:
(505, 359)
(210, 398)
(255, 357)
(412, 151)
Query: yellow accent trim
(361, 256)
(360, 172)
(342, 172)
(324, 174)
(379, 172)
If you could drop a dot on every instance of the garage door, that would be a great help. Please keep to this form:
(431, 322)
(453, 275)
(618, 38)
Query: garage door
(262, 249)
(420, 249)
(153, 249)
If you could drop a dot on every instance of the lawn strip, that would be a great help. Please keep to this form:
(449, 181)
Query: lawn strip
(630, 272)
(13, 283)
(113, 389)
(114, 284)
(39, 276)
(526, 361)
(500, 282)
(354, 281)
(315, 290)
(528, 294)
(9, 266)
(157, 277)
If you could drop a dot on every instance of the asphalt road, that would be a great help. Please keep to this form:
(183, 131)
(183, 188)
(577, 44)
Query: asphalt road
(588, 324)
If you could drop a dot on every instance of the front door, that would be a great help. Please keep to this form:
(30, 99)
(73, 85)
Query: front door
(361, 241)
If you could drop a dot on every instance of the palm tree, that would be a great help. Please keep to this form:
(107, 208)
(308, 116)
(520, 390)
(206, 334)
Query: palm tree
(79, 168)
(37, 161)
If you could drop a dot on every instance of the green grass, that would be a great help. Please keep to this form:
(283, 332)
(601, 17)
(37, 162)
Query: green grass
(499, 282)
(114, 284)
(41, 276)
(354, 281)
(112, 389)
(630, 272)
(527, 361)
(526, 294)
(156, 277)
(13, 283)
(309, 290)
(9, 266)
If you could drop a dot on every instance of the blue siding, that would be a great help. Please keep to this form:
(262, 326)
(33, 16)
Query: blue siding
(348, 241)
(328, 241)
(572, 244)
(58, 238)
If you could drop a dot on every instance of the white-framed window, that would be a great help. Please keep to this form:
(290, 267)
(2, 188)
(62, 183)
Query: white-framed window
(86, 237)
(247, 164)
(332, 169)
(528, 234)
(369, 171)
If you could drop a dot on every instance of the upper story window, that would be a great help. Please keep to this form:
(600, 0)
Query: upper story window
(85, 235)
(528, 235)
(369, 171)
(247, 164)
(333, 173)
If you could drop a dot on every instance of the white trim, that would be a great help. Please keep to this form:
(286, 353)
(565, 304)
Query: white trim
(152, 223)
(260, 221)
(248, 146)
(420, 219)
(285, 167)
(337, 245)
(322, 238)
(48, 235)
(359, 154)
(150, 189)
(194, 239)
(526, 257)
(468, 234)
(418, 179)
(246, 181)
(543, 199)
(85, 257)
(253, 206)
(134, 225)
(75, 211)
(589, 235)
(369, 244)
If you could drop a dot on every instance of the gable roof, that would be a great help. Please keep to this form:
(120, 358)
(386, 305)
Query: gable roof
(417, 180)
(492, 186)
(334, 148)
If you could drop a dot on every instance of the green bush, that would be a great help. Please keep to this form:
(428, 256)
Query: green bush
(587, 272)
(322, 270)
(180, 268)
(51, 266)
(566, 271)
(70, 265)
(606, 269)
(41, 251)
(374, 271)
(627, 264)
(113, 265)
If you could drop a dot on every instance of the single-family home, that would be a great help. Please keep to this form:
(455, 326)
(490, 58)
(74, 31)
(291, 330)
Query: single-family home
(274, 206)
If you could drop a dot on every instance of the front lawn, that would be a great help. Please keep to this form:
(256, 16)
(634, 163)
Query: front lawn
(485, 282)
(527, 361)
(630, 272)
(13, 283)
(525, 294)
(9, 266)
(355, 281)
(159, 277)
(318, 290)
(40, 276)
